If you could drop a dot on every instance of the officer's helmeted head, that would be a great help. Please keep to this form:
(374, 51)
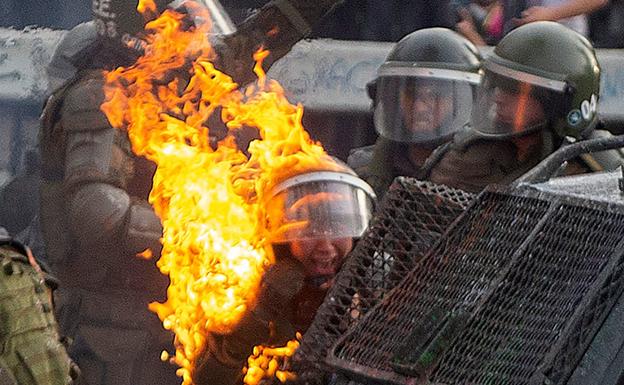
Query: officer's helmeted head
(424, 91)
(541, 75)
(120, 24)
(316, 216)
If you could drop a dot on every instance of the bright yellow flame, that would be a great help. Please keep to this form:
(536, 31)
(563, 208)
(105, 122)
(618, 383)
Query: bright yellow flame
(210, 200)
(147, 6)
(265, 363)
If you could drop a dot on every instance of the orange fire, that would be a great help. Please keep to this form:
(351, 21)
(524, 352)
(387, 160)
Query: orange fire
(210, 200)
(265, 363)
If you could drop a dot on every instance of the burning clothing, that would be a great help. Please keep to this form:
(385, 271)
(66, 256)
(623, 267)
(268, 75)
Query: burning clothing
(286, 305)
(32, 353)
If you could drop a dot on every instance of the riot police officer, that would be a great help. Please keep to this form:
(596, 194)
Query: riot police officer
(31, 353)
(94, 211)
(541, 85)
(313, 219)
(423, 94)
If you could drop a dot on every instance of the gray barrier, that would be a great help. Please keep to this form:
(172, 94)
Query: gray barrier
(327, 76)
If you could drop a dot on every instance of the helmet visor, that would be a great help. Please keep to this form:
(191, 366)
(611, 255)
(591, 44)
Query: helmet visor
(320, 208)
(422, 109)
(511, 105)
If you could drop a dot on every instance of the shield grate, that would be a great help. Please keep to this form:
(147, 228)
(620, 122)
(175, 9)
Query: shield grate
(411, 218)
(509, 337)
(512, 294)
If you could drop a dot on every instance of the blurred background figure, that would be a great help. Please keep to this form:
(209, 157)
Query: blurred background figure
(373, 20)
(606, 26)
(481, 21)
(571, 13)
(392, 20)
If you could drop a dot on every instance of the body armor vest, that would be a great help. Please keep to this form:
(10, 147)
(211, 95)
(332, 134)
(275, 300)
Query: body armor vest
(31, 353)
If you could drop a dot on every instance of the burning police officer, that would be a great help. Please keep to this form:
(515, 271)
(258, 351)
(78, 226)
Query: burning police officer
(313, 219)
(540, 87)
(94, 211)
(423, 94)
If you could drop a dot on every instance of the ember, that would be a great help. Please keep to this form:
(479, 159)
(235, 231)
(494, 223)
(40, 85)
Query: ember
(210, 200)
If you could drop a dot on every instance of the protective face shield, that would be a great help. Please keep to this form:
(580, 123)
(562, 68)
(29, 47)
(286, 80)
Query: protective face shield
(514, 103)
(324, 204)
(422, 105)
(549, 62)
(315, 217)
(120, 25)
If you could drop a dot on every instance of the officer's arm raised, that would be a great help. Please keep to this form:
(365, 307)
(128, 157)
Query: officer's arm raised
(276, 27)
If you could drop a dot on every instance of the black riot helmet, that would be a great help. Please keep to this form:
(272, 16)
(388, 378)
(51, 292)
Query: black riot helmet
(120, 23)
(541, 75)
(424, 91)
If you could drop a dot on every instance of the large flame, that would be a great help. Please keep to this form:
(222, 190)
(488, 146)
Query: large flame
(210, 200)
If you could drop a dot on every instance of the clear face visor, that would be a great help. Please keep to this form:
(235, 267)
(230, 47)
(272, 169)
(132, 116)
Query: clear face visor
(320, 205)
(419, 105)
(512, 103)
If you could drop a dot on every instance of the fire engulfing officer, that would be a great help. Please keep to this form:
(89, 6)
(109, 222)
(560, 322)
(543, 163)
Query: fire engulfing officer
(314, 219)
(31, 353)
(423, 94)
(94, 211)
(540, 87)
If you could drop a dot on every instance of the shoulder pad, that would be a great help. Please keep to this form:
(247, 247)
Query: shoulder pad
(81, 105)
(360, 157)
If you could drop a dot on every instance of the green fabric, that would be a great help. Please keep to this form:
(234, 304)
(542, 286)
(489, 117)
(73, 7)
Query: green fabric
(381, 171)
(30, 346)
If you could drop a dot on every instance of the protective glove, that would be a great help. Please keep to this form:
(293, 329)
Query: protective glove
(280, 284)
(276, 27)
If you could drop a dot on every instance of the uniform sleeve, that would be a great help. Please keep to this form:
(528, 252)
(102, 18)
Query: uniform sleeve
(276, 27)
(380, 171)
(97, 170)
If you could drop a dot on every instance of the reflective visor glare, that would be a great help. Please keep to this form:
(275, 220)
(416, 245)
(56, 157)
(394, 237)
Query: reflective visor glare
(319, 210)
(508, 107)
(422, 110)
